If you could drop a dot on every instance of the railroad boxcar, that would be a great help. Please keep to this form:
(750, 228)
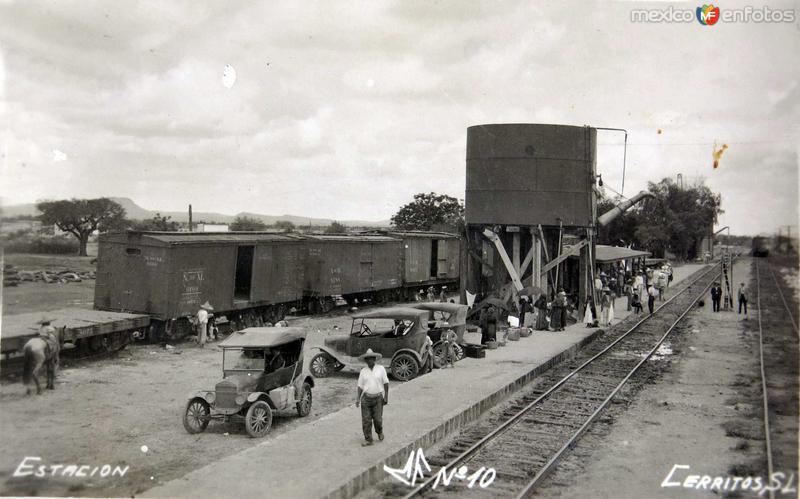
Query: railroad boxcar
(250, 278)
(355, 267)
(429, 259)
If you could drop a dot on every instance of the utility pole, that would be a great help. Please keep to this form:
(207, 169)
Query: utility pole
(190, 218)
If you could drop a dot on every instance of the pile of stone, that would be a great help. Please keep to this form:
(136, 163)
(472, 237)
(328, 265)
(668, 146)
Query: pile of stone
(13, 277)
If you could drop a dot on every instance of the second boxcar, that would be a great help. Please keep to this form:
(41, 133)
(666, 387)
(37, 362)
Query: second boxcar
(355, 267)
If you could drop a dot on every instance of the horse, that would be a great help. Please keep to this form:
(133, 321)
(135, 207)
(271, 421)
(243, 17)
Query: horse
(41, 351)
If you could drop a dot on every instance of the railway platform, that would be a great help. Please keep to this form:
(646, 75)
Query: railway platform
(420, 413)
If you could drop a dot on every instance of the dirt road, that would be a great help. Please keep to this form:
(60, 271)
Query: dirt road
(104, 412)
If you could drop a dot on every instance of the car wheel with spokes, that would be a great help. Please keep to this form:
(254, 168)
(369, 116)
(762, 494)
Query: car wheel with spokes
(404, 367)
(322, 365)
(196, 416)
(304, 404)
(258, 420)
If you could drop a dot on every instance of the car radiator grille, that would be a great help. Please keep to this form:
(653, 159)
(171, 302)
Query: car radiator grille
(226, 398)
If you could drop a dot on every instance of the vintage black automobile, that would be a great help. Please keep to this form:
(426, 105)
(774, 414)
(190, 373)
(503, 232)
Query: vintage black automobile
(443, 317)
(398, 334)
(263, 373)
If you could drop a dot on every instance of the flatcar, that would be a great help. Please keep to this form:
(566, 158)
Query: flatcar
(252, 278)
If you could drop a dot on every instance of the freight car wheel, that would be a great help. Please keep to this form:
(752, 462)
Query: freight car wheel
(258, 420)
(404, 367)
(100, 343)
(196, 416)
(322, 365)
(304, 405)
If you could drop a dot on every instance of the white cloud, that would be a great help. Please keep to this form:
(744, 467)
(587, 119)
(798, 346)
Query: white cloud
(58, 156)
(363, 105)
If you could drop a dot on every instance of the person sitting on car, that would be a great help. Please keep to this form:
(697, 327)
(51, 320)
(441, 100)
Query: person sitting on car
(274, 360)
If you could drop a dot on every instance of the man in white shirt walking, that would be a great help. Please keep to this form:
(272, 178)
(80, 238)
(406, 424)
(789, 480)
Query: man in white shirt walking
(373, 394)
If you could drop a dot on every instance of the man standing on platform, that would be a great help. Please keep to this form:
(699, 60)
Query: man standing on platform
(373, 394)
(716, 296)
(743, 299)
(652, 292)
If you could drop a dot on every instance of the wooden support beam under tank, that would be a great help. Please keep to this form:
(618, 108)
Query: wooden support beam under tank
(504, 256)
(574, 250)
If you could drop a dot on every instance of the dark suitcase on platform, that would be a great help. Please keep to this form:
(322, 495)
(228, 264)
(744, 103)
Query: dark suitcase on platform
(475, 351)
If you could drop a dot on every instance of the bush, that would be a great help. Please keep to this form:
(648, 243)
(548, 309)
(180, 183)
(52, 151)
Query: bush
(58, 245)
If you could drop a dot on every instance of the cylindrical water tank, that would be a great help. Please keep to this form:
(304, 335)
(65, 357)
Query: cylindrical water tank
(530, 174)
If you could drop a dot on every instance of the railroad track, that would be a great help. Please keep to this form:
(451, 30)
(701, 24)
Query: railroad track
(529, 439)
(779, 389)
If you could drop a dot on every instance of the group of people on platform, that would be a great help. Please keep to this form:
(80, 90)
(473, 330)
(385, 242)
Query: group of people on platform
(539, 313)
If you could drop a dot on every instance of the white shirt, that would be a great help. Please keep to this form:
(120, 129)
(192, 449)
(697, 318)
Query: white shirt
(638, 282)
(371, 381)
(47, 330)
(202, 316)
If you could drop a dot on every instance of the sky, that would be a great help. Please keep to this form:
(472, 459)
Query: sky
(345, 110)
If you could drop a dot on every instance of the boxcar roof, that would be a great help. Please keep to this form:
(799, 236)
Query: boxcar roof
(392, 313)
(210, 237)
(263, 337)
(353, 238)
(424, 234)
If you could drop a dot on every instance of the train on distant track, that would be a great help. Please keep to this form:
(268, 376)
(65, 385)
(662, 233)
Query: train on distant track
(254, 278)
(761, 246)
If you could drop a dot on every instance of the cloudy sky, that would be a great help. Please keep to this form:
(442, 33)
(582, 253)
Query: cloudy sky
(346, 109)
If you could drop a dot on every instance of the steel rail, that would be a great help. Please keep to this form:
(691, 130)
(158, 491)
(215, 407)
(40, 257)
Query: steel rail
(547, 468)
(764, 397)
(474, 448)
(783, 299)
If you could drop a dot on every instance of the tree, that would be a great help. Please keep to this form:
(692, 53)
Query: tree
(429, 209)
(284, 225)
(335, 228)
(81, 217)
(678, 218)
(158, 223)
(247, 224)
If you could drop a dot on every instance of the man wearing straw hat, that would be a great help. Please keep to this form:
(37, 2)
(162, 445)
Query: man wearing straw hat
(373, 394)
(202, 323)
(45, 329)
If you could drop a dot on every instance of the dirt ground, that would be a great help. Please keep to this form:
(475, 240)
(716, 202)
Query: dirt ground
(703, 412)
(36, 296)
(103, 412)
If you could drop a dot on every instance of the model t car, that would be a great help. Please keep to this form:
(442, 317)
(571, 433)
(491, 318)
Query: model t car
(398, 334)
(263, 373)
(444, 317)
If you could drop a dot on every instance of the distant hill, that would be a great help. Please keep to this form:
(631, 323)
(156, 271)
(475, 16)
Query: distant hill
(136, 212)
